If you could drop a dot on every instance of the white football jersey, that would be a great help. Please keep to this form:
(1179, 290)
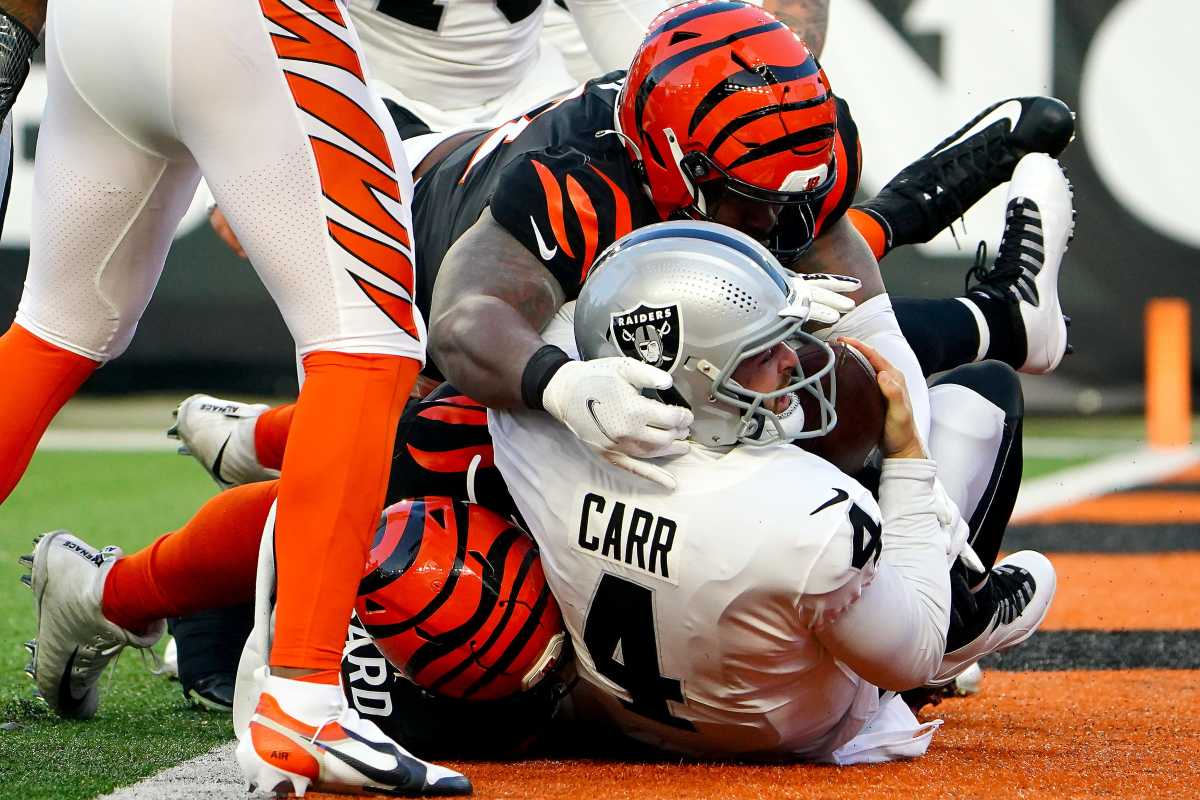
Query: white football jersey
(691, 612)
(451, 53)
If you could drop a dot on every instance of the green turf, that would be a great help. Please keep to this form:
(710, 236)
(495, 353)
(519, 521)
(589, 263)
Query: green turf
(144, 725)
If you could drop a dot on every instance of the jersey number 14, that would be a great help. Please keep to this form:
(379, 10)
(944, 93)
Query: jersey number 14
(621, 617)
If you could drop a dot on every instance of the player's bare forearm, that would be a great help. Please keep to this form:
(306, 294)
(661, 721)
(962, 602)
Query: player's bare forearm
(842, 251)
(491, 299)
(30, 13)
(808, 18)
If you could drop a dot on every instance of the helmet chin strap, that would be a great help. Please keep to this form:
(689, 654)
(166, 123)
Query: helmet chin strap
(677, 157)
(791, 419)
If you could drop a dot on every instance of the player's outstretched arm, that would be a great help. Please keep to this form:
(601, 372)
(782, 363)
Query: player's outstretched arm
(491, 298)
(20, 22)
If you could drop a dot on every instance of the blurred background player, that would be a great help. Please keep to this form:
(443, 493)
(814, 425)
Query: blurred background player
(303, 161)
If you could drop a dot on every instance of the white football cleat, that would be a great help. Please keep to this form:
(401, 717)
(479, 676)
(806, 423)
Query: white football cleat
(1009, 608)
(74, 640)
(1039, 222)
(220, 435)
(305, 736)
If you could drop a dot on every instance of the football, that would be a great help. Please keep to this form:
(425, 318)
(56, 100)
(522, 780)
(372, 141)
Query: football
(859, 403)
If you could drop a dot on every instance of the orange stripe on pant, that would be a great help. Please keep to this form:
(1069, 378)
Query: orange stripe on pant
(36, 379)
(334, 477)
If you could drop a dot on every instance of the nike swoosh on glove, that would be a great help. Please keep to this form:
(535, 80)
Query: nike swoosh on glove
(820, 298)
(601, 402)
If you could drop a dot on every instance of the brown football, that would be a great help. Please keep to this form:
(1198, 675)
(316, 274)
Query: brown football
(859, 403)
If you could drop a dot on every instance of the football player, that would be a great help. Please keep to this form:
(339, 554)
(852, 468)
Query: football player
(269, 101)
(773, 566)
(759, 609)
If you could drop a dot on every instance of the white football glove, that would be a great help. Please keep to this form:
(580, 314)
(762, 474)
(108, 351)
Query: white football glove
(601, 402)
(824, 295)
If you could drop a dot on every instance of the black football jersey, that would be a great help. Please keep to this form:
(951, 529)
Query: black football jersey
(563, 185)
(560, 189)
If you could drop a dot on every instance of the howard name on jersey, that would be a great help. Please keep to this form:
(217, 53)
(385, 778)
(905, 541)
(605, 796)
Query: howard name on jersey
(692, 613)
(559, 180)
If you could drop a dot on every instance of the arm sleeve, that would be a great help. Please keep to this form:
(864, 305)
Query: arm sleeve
(894, 633)
(564, 209)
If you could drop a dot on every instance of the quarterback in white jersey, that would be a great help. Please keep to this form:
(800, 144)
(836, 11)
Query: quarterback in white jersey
(759, 609)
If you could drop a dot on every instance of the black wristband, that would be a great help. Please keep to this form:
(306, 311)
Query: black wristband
(539, 370)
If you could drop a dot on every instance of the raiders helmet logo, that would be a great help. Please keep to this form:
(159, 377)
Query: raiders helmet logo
(650, 333)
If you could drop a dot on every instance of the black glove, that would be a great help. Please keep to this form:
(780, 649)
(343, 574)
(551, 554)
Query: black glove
(17, 44)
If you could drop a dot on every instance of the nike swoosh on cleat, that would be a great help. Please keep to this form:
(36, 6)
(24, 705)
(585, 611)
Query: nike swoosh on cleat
(547, 253)
(216, 467)
(594, 402)
(839, 495)
(402, 776)
(67, 701)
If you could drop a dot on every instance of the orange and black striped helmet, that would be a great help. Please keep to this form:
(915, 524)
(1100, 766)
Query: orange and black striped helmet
(732, 120)
(455, 598)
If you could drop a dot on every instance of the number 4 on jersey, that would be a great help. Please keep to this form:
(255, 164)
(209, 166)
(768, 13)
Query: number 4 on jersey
(427, 14)
(619, 634)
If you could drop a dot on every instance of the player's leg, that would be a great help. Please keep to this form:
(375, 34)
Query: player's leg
(976, 440)
(104, 210)
(975, 437)
(316, 188)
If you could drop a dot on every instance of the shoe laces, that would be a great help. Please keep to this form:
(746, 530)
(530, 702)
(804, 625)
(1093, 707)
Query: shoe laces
(1011, 589)
(951, 170)
(1015, 263)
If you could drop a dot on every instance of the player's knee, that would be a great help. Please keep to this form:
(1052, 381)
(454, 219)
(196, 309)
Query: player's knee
(995, 381)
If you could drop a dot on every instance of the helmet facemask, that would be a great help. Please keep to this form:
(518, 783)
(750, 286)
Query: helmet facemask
(759, 424)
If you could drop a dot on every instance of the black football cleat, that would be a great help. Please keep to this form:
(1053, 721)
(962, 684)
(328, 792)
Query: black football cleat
(938, 188)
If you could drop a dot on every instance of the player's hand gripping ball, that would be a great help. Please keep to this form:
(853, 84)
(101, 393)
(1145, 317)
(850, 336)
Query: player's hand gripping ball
(860, 407)
(455, 598)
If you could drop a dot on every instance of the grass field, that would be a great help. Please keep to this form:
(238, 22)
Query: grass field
(144, 724)
(108, 498)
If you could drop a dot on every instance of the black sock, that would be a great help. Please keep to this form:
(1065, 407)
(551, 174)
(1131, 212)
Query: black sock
(942, 333)
(1005, 328)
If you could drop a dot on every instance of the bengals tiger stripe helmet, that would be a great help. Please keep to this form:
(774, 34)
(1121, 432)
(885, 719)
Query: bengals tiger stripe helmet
(455, 598)
(732, 120)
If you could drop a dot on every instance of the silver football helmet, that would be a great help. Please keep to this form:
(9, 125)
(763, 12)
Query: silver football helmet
(697, 299)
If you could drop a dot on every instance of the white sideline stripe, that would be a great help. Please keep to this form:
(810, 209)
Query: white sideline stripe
(112, 440)
(1143, 465)
(213, 776)
(1071, 447)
